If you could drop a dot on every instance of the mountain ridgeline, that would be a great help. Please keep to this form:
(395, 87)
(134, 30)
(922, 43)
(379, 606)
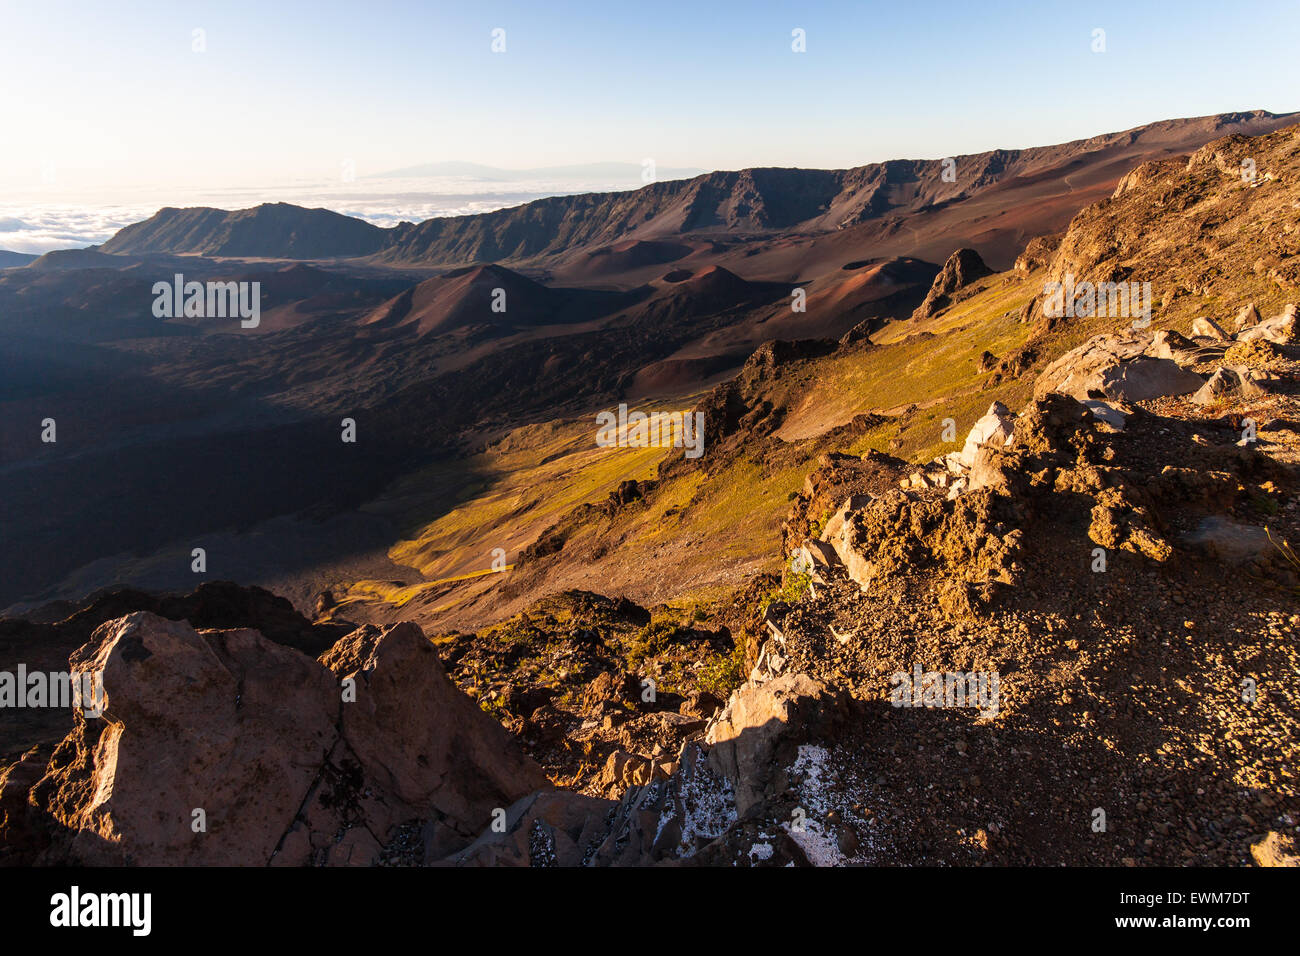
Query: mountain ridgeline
(749, 202)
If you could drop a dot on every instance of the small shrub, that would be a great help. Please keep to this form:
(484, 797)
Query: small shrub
(794, 585)
(723, 673)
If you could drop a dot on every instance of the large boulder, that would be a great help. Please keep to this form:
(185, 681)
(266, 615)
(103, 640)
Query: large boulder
(1168, 344)
(1209, 329)
(1068, 373)
(1142, 380)
(996, 428)
(835, 524)
(1280, 330)
(759, 730)
(205, 749)
(1247, 317)
(224, 748)
(1231, 382)
(451, 764)
(1116, 367)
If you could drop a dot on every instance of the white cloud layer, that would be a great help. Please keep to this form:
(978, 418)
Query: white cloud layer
(43, 220)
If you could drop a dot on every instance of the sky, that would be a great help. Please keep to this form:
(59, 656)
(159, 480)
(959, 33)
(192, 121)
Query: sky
(101, 102)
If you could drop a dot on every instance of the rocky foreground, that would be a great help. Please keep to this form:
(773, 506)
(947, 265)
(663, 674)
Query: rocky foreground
(1101, 577)
(222, 747)
(1072, 641)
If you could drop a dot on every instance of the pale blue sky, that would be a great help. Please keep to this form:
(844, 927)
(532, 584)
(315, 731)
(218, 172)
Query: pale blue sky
(112, 93)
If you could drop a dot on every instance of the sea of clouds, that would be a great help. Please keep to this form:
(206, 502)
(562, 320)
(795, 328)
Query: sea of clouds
(45, 219)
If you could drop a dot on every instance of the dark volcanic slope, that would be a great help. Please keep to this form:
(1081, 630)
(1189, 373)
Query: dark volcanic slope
(169, 430)
(272, 230)
(465, 297)
(748, 202)
(12, 260)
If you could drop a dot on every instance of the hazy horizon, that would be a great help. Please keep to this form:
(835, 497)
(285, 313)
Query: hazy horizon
(45, 220)
(52, 215)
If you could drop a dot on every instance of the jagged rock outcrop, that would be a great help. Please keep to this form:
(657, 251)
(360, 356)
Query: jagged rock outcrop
(1136, 365)
(736, 409)
(996, 427)
(46, 636)
(747, 736)
(1117, 366)
(664, 822)
(839, 478)
(730, 800)
(221, 747)
(24, 830)
(1038, 252)
(1191, 227)
(972, 535)
(1280, 329)
(961, 269)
